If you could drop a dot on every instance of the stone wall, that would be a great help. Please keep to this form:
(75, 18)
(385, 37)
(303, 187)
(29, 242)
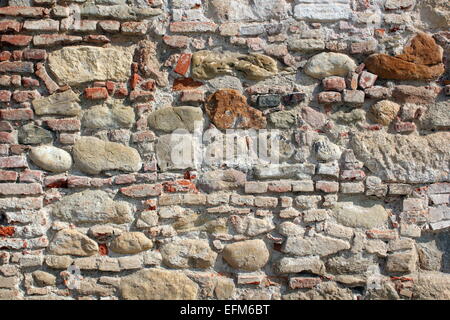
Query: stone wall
(97, 95)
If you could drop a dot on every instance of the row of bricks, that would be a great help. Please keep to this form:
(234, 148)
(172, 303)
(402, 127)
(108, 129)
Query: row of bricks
(49, 25)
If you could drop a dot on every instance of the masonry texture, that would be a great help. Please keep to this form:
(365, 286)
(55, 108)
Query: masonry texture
(93, 204)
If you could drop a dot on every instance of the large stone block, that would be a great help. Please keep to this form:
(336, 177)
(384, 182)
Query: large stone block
(80, 64)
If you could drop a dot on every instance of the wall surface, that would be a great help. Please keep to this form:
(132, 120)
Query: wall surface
(224, 149)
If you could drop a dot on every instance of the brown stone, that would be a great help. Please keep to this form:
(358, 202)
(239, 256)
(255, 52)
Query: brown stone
(422, 49)
(421, 60)
(228, 109)
(388, 67)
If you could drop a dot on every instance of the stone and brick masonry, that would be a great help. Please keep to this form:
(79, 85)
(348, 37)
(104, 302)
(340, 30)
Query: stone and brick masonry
(357, 207)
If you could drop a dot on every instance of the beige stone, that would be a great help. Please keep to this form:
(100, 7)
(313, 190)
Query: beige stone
(51, 158)
(254, 66)
(63, 103)
(91, 206)
(93, 156)
(72, 242)
(158, 284)
(357, 216)
(384, 111)
(249, 255)
(172, 118)
(74, 65)
(108, 117)
(188, 254)
(327, 64)
(131, 243)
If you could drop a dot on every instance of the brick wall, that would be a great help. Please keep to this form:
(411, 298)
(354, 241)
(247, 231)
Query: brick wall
(115, 182)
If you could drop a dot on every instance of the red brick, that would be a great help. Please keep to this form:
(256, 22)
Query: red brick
(7, 137)
(401, 126)
(100, 182)
(17, 55)
(17, 114)
(6, 126)
(134, 28)
(16, 40)
(64, 124)
(16, 81)
(5, 96)
(143, 136)
(30, 82)
(125, 178)
(41, 25)
(121, 90)
(279, 186)
(382, 234)
(8, 175)
(19, 149)
(25, 95)
(16, 67)
(42, 74)
(142, 96)
(35, 54)
(7, 231)
(367, 79)
(96, 38)
(58, 181)
(10, 25)
(303, 282)
(24, 11)
(5, 55)
(4, 149)
(184, 62)
(149, 85)
(78, 182)
(7, 189)
(55, 39)
(176, 41)
(96, 93)
(109, 25)
(13, 162)
(327, 186)
(142, 190)
(187, 27)
(353, 175)
(179, 186)
(327, 97)
(31, 176)
(135, 79)
(333, 83)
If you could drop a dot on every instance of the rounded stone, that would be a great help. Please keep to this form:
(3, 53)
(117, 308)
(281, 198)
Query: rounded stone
(249, 255)
(327, 64)
(158, 284)
(384, 112)
(51, 158)
(131, 243)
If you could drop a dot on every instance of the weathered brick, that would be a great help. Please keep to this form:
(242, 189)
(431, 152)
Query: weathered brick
(41, 25)
(25, 95)
(8, 137)
(194, 27)
(142, 190)
(22, 11)
(176, 41)
(96, 93)
(20, 189)
(255, 187)
(17, 114)
(16, 67)
(183, 63)
(329, 97)
(34, 54)
(47, 40)
(64, 124)
(327, 186)
(16, 40)
(10, 25)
